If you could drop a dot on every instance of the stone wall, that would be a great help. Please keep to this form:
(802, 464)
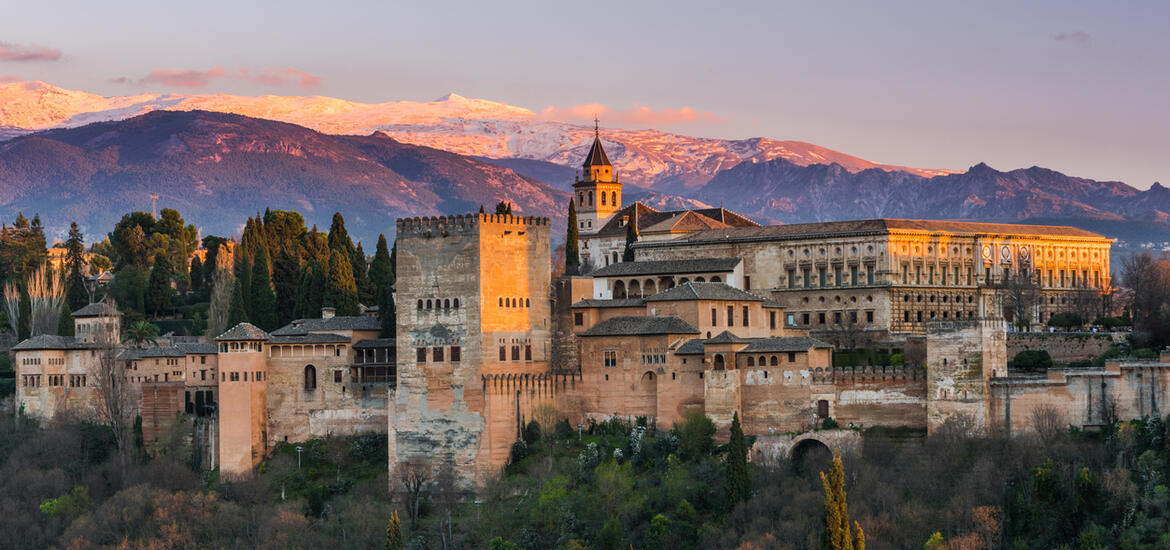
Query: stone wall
(162, 404)
(1064, 347)
(960, 358)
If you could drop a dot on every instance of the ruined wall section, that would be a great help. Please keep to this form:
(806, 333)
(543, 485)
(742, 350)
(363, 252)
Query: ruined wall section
(1064, 347)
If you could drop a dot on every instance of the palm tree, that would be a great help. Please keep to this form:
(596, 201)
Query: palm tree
(142, 332)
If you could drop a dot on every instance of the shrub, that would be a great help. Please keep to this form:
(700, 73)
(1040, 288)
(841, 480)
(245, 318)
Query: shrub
(1065, 320)
(1031, 360)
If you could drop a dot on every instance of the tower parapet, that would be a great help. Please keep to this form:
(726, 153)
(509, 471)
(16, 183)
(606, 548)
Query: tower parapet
(462, 223)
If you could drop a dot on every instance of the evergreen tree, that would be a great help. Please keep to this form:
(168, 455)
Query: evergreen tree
(361, 278)
(236, 312)
(481, 209)
(196, 273)
(262, 300)
(382, 280)
(24, 322)
(738, 482)
(339, 238)
(310, 291)
(838, 534)
(503, 207)
(394, 538)
(285, 280)
(75, 294)
(158, 290)
(631, 238)
(572, 255)
(341, 291)
(65, 322)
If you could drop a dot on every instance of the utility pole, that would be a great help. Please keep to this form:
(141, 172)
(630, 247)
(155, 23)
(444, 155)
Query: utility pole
(154, 206)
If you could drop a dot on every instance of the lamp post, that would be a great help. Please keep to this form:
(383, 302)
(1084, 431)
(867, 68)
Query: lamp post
(299, 449)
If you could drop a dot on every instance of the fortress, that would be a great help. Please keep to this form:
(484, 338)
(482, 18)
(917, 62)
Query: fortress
(716, 314)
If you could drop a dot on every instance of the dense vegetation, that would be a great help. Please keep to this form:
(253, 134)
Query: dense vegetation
(613, 485)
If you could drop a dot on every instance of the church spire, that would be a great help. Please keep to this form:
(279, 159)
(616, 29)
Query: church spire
(596, 156)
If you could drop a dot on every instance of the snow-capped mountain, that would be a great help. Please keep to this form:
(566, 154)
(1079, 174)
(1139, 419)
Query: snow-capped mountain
(473, 127)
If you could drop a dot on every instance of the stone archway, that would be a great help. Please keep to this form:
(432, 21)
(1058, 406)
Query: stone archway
(619, 290)
(635, 289)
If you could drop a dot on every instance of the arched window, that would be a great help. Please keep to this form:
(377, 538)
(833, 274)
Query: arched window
(613, 196)
(763, 360)
(719, 361)
(446, 304)
(428, 304)
(527, 303)
(581, 199)
(603, 198)
(455, 303)
(310, 378)
(700, 280)
(716, 279)
(773, 361)
(420, 304)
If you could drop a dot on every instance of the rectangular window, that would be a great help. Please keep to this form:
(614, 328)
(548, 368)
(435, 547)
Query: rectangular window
(791, 278)
(804, 319)
(731, 316)
(807, 279)
(202, 359)
(714, 317)
(456, 354)
(821, 282)
(792, 357)
(746, 319)
(527, 352)
(853, 276)
(772, 319)
(610, 358)
(420, 355)
(515, 353)
(578, 318)
(869, 269)
(821, 318)
(235, 377)
(747, 282)
(336, 377)
(869, 316)
(837, 317)
(852, 316)
(503, 353)
(437, 354)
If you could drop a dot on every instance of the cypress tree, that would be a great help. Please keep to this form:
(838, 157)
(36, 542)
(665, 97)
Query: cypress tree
(158, 290)
(382, 279)
(75, 294)
(285, 281)
(394, 538)
(738, 485)
(262, 300)
(196, 273)
(24, 322)
(503, 207)
(310, 291)
(65, 323)
(572, 255)
(236, 312)
(631, 238)
(838, 534)
(339, 238)
(360, 277)
(341, 291)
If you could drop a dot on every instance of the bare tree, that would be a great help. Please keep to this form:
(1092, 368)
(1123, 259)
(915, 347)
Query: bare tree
(849, 330)
(1049, 423)
(221, 299)
(414, 474)
(115, 398)
(1149, 280)
(12, 306)
(447, 496)
(1019, 294)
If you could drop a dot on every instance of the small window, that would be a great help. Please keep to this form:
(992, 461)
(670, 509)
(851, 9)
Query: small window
(772, 319)
(437, 354)
(515, 353)
(731, 316)
(791, 357)
(503, 353)
(746, 319)
(578, 318)
(773, 361)
(310, 377)
(456, 353)
(610, 359)
(455, 303)
(336, 377)
(420, 355)
(751, 361)
(527, 353)
(420, 304)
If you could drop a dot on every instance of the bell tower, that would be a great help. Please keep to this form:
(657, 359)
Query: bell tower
(598, 191)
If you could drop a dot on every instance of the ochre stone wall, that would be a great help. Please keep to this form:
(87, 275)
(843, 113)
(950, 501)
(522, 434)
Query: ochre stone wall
(162, 404)
(242, 412)
(1064, 347)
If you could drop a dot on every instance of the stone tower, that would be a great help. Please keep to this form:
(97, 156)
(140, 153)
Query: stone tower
(474, 308)
(598, 191)
(243, 409)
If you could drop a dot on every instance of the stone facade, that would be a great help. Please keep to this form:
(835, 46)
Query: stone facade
(474, 337)
(1063, 347)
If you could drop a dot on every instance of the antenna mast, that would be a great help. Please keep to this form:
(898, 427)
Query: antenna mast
(154, 206)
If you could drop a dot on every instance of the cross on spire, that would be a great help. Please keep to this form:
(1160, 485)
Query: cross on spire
(596, 126)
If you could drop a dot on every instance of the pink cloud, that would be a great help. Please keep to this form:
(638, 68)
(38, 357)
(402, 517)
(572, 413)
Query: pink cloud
(274, 77)
(10, 78)
(1076, 37)
(638, 115)
(21, 52)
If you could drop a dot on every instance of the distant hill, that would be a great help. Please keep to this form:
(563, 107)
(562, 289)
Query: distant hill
(218, 168)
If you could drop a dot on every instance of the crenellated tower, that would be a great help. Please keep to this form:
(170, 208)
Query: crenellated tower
(598, 191)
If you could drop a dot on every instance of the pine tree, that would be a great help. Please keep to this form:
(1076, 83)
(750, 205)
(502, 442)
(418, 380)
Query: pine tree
(394, 538)
(262, 300)
(631, 238)
(838, 533)
(341, 291)
(65, 321)
(196, 273)
(75, 294)
(158, 290)
(572, 255)
(236, 312)
(382, 279)
(738, 482)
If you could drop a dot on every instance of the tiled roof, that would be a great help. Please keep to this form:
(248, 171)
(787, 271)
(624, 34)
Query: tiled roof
(596, 156)
(197, 348)
(351, 322)
(703, 291)
(51, 341)
(243, 331)
(167, 351)
(648, 219)
(621, 302)
(726, 337)
(881, 226)
(99, 309)
(756, 345)
(770, 303)
(668, 267)
(311, 338)
(629, 326)
(375, 343)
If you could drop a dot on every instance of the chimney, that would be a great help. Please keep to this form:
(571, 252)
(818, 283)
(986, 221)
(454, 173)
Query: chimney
(328, 312)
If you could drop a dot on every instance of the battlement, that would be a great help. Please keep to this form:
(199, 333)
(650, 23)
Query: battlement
(940, 326)
(464, 224)
(866, 374)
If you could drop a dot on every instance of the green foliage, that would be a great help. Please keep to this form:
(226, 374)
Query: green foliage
(499, 543)
(22, 248)
(659, 533)
(1031, 360)
(1065, 320)
(829, 424)
(504, 207)
(340, 290)
(141, 332)
(129, 287)
(532, 432)
(631, 237)
(75, 294)
(159, 291)
(935, 542)
(610, 536)
(68, 506)
(65, 321)
(572, 254)
(898, 359)
(365, 290)
(382, 281)
(196, 273)
(310, 291)
(394, 538)
(696, 435)
(262, 300)
(738, 480)
(237, 313)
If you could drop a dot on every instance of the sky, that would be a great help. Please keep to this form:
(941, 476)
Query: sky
(1079, 87)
